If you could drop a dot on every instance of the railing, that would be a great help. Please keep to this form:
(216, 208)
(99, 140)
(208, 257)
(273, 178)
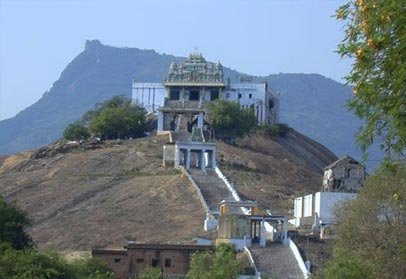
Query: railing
(230, 187)
(251, 259)
(299, 258)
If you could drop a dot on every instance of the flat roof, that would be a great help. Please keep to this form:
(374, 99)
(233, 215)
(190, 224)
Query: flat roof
(169, 109)
(199, 84)
(158, 246)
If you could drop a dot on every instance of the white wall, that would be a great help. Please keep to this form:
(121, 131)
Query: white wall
(326, 202)
(298, 207)
(258, 94)
(308, 205)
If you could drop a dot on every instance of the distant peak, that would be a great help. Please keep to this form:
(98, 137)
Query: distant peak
(92, 44)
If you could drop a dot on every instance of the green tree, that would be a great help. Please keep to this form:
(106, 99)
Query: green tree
(220, 264)
(372, 228)
(345, 266)
(375, 37)
(28, 263)
(151, 273)
(229, 120)
(90, 268)
(117, 118)
(13, 222)
(76, 131)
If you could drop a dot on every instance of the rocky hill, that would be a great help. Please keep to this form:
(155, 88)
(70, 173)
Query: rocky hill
(310, 103)
(98, 194)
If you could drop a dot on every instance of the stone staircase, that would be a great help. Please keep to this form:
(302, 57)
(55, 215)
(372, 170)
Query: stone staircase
(277, 261)
(181, 133)
(212, 188)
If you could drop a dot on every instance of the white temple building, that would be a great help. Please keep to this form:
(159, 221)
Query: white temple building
(189, 86)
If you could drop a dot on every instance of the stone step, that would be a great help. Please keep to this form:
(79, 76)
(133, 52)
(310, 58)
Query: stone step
(277, 260)
(212, 187)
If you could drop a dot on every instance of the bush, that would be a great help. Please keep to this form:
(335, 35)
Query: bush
(151, 273)
(277, 130)
(13, 222)
(229, 120)
(76, 131)
(114, 119)
(220, 264)
(32, 264)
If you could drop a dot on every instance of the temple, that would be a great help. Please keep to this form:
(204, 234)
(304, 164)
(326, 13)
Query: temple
(190, 86)
(180, 103)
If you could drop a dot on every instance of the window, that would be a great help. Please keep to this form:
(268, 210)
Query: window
(194, 96)
(250, 96)
(140, 261)
(239, 96)
(168, 262)
(174, 95)
(154, 262)
(117, 260)
(227, 95)
(214, 95)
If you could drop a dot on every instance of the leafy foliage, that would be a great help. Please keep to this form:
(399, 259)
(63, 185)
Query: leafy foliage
(229, 120)
(90, 268)
(13, 222)
(118, 118)
(114, 119)
(376, 39)
(76, 131)
(151, 273)
(277, 130)
(29, 263)
(220, 264)
(345, 266)
(373, 228)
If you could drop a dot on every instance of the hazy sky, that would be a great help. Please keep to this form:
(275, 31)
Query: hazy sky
(39, 38)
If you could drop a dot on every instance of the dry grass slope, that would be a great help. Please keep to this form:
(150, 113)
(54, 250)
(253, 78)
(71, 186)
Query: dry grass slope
(99, 194)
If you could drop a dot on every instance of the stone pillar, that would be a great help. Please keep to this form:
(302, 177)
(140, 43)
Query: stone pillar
(200, 120)
(182, 96)
(153, 99)
(285, 232)
(187, 159)
(209, 159)
(160, 127)
(262, 240)
(213, 159)
(177, 156)
(202, 160)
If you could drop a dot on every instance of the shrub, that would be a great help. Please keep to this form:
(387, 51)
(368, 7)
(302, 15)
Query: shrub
(76, 131)
(276, 130)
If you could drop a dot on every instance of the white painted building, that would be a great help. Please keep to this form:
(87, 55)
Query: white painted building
(194, 83)
(317, 210)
